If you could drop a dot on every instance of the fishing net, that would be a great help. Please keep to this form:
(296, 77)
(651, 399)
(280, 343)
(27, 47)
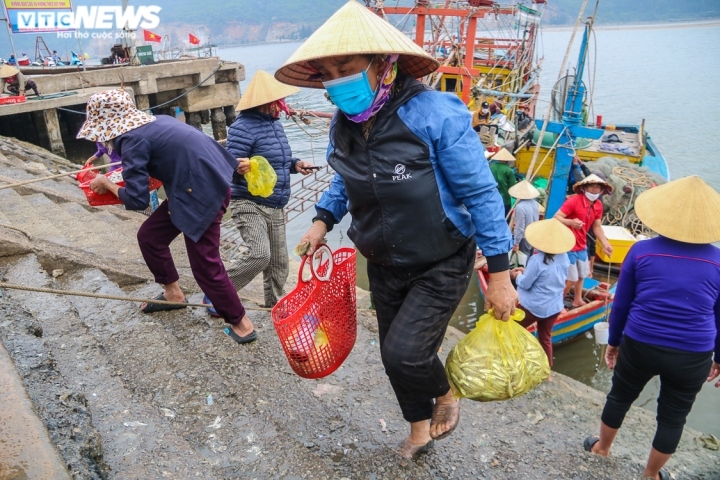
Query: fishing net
(496, 361)
(629, 181)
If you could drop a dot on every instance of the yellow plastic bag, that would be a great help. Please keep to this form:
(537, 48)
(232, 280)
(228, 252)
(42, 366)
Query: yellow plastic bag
(496, 361)
(261, 178)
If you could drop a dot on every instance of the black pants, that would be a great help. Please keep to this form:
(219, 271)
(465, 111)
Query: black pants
(414, 307)
(682, 375)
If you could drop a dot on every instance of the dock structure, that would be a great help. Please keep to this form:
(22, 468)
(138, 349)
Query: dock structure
(206, 90)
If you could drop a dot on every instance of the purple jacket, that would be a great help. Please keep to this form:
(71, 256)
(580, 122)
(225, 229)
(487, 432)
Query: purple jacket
(669, 295)
(114, 155)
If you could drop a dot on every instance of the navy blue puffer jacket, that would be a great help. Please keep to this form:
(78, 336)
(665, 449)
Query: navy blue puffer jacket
(254, 133)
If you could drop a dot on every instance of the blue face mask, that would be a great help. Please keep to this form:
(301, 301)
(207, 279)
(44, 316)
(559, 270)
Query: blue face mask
(351, 94)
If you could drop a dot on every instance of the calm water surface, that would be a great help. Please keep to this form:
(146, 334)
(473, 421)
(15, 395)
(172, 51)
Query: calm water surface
(667, 76)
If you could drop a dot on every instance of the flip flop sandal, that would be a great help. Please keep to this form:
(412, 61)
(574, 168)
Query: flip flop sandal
(443, 413)
(159, 307)
(210, 310)
(249, 338)
(589, 442)
(410, 451)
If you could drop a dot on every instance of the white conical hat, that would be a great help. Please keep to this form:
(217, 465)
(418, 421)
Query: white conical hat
(524, 191)
(354, 30)
(550, 236)
(686, 210)
(8, 71)
(264, 89)
(503, 156)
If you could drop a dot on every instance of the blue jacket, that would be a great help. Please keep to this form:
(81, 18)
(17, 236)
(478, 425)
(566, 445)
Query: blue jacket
(254, 133)
(194, 169)
(420, 186)
(540, 287)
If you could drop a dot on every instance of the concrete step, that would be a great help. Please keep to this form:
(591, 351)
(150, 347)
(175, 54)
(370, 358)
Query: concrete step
(136, 438)
(22, 212)
(27, 450)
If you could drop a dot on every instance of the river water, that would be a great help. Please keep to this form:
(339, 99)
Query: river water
(666, 75)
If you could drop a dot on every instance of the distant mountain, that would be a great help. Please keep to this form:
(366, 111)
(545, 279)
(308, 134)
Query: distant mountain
(232, 22)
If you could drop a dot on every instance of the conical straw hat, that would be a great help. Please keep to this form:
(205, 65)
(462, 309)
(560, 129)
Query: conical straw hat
(264, 89)
(354, 30)
(550, 236)
(592, 179)
(8, 71)
(524, 191)
(686, 210)
(503, 156)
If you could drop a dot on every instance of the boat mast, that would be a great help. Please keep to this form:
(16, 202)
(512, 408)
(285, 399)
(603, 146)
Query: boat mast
(570, 128)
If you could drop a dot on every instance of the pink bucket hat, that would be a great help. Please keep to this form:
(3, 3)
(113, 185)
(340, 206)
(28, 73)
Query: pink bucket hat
(110, 114)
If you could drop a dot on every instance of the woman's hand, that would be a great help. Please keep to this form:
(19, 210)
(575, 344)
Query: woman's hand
(304, 167)
(714, 373)
(501, 295)
(515, 272)
(313, 237)
(611, 355)
(243, 166)
(89, 162)
(100, 184)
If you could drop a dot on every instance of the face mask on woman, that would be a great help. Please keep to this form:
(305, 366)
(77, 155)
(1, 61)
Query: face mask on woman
(351, 94)
(485, 111)
(592, 196)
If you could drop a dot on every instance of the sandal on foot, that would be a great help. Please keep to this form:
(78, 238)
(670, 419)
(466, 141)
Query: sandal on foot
(664, 475)
(589, 442)
(250, 337)
(446, 413)
(210, 310)
(410, 451)
(159, 307)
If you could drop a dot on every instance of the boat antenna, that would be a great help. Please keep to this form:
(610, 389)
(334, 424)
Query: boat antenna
(546, 120)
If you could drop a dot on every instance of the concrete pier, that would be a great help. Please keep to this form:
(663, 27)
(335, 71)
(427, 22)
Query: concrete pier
(205, 89)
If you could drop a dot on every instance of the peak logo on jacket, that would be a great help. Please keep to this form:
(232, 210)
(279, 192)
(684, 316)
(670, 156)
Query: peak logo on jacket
(400, 173)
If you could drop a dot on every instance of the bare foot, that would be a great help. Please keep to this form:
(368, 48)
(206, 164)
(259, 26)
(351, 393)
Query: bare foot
(579, 303)
(446, 416)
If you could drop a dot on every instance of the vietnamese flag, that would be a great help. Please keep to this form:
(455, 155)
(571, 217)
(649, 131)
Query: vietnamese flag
(151, 37)
(193, 39)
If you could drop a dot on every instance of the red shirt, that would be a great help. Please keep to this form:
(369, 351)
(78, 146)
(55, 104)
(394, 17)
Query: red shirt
(578, 206)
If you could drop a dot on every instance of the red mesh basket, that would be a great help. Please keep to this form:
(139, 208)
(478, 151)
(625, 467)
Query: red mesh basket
(107, 198)
(316, 322)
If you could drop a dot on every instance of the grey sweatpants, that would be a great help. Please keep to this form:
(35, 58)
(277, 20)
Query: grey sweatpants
(263, 230)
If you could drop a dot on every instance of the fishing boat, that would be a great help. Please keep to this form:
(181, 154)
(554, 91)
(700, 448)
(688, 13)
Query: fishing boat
(502, 67)
(486, 53)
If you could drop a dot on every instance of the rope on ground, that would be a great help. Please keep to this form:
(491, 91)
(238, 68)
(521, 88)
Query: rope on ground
(72, 293)
(112, 297)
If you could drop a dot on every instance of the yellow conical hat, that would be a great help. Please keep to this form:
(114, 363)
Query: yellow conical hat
(524, 191)
(503, 156)
(686, 210)
(264, 89)
(8, 71)
(354, 30)
(550, 236)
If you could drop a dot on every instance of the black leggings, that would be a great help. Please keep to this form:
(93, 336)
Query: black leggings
(682, 375)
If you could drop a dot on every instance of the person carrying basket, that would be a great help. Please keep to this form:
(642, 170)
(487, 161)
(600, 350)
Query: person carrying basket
(410, 171)
(195, 171)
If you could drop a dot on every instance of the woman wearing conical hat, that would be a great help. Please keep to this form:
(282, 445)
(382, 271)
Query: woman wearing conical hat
(14, 82)
(527, 211)
(665, 319)
(257, 131)
(540, 285)
(411, 173)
